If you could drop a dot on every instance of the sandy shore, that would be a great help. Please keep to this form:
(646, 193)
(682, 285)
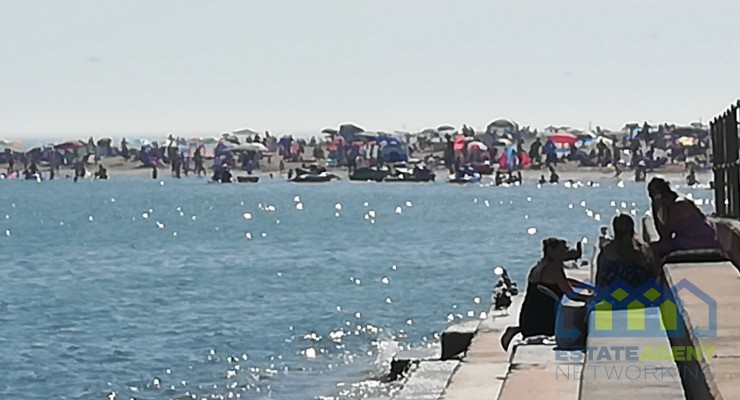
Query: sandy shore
(674, 173)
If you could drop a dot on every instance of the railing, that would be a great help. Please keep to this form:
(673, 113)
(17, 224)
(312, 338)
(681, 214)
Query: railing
(726, 163)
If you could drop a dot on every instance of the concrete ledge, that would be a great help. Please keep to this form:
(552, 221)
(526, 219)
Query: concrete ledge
(539, 383)
(477, 381)
(618, 378)
(719, 376)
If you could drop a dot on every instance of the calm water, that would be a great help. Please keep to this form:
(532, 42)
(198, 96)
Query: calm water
(136, 289)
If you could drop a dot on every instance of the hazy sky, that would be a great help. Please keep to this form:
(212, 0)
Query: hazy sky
(149, 67)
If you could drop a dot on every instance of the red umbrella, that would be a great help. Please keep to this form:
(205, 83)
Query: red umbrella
(69, 145)
(564, 138)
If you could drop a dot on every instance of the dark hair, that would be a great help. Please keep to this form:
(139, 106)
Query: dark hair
(662, 187)
(624, 226)
(551, 243)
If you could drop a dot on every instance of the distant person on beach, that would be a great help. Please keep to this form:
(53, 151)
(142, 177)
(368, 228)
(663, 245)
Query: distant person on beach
(198, 160)
(681, 225)
(535, 152)
(551, 156)
(542, 180)
(625, 257)
(537, 316)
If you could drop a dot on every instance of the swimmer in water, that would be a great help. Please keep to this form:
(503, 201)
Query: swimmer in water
(102, 173)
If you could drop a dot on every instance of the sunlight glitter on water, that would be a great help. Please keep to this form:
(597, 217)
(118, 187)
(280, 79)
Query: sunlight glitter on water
(211, 294)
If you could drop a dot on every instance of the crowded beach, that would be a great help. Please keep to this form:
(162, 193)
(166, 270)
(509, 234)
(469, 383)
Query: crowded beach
(464, 155)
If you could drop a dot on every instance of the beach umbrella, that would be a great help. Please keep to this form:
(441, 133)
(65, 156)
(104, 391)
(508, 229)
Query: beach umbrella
(446, 128)
(502, 123)
(4, 148)
(563, 137)
(687, 141)
(367, 136)
(586, 135)
(329, 131)
(231, 138)
(503, 142)
(72, 145)
(245, 131)
(248, 147)
(141, 143)
(350, 128)
(477, 145)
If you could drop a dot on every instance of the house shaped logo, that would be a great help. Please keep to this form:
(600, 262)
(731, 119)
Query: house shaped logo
(650, 310)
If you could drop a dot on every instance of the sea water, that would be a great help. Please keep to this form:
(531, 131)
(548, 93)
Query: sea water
(135, 288)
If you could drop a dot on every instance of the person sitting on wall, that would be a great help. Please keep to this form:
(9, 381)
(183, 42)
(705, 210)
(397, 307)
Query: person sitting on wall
(679, 222)
(625, 257)
(537, 315)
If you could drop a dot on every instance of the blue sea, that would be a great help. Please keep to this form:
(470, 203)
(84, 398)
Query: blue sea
(144, 289)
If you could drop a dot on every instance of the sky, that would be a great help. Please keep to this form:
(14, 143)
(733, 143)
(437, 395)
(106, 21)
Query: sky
(139, 68)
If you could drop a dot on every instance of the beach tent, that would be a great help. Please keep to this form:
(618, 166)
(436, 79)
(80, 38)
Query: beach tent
(392, 149)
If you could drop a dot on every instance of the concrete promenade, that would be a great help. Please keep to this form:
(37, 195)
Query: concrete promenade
(534, 371)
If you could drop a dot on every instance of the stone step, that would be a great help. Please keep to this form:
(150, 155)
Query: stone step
(427, 380)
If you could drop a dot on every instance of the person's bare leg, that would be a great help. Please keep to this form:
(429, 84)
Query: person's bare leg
(508, 336)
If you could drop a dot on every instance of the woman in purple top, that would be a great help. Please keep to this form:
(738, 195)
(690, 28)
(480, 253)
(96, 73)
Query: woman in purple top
(679, 222)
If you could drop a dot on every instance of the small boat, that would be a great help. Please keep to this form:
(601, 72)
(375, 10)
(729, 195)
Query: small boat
(465, 175)
(33, 177)
(248, 179)
(314, 178)
(416, 174)
(368, 174)
(464, 180)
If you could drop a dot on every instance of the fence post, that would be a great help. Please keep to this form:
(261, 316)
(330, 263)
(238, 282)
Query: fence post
(733, 177)
(720, 184)
(719, 192)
